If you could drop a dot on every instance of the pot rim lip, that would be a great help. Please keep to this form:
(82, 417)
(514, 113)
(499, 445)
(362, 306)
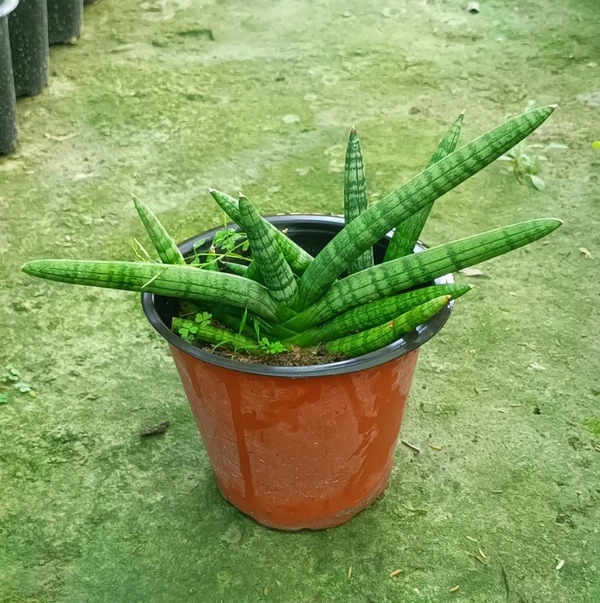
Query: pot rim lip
(410, 342)
(7, 6)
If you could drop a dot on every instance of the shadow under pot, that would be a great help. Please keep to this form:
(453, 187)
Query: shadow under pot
(28, 25)
(9, 134)
(65, 19)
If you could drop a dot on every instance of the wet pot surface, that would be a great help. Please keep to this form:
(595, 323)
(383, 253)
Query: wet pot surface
(64, 20)
(29, 46)
(298, 447)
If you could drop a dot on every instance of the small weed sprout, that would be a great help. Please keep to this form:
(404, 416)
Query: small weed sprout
(525, 159)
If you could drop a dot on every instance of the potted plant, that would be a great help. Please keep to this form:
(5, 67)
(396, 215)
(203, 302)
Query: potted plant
(296, 337)
(9, 132)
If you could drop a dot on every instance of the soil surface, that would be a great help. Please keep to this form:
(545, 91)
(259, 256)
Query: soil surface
(295, 357)
(163, 98)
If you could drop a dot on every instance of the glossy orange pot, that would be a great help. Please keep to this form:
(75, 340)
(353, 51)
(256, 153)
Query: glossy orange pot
(298, 447)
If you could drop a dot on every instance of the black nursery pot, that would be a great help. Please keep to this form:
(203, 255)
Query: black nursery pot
(8, 103)
(65, 18)
(28, 26)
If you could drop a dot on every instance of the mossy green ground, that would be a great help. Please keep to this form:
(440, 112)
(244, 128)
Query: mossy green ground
(147, 103)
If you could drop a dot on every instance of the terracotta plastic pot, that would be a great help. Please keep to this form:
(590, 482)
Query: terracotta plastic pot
(28, 26)
(298, 447)
(9, 132)
(65, 18)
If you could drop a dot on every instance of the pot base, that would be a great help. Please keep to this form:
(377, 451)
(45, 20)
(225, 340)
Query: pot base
(338, 519)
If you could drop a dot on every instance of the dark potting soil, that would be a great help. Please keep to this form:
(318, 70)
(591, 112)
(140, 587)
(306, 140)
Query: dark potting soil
(296, 357)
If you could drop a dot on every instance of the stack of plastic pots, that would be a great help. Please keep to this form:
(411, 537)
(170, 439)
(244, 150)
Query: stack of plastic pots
(28, 25)
(8, 110)
(65, 18)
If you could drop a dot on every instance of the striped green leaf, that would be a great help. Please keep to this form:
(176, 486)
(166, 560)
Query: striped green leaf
(254, 274)
(228, 316)
(235, 268)
(407, 233)
(278, 275)
(373, 314)
(421, 191)
(185, 282)
(211, 261)
(167, 250)
(218, 336)
(297, 258)
(247, 271)
(389, 332)
(419, 268)
(355, 195)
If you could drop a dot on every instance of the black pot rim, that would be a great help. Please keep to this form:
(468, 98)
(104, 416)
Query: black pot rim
(399, 348)
(7, 7)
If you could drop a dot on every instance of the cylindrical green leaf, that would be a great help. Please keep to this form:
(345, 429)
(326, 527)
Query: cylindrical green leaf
(419, 268)
(373, 314)
(278, 275)
(421, 191)
(184, 282)
(218, 336)
(239, 269)
(382, 335)
(356, 201)
(254, 274)
(168, 252)
(297, 258)
(210, 261)
(407, 233)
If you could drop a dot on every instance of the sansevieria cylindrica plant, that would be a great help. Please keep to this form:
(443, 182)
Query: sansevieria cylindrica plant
(338, 300)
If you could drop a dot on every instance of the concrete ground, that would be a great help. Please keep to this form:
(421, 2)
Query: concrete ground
(163, 98)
